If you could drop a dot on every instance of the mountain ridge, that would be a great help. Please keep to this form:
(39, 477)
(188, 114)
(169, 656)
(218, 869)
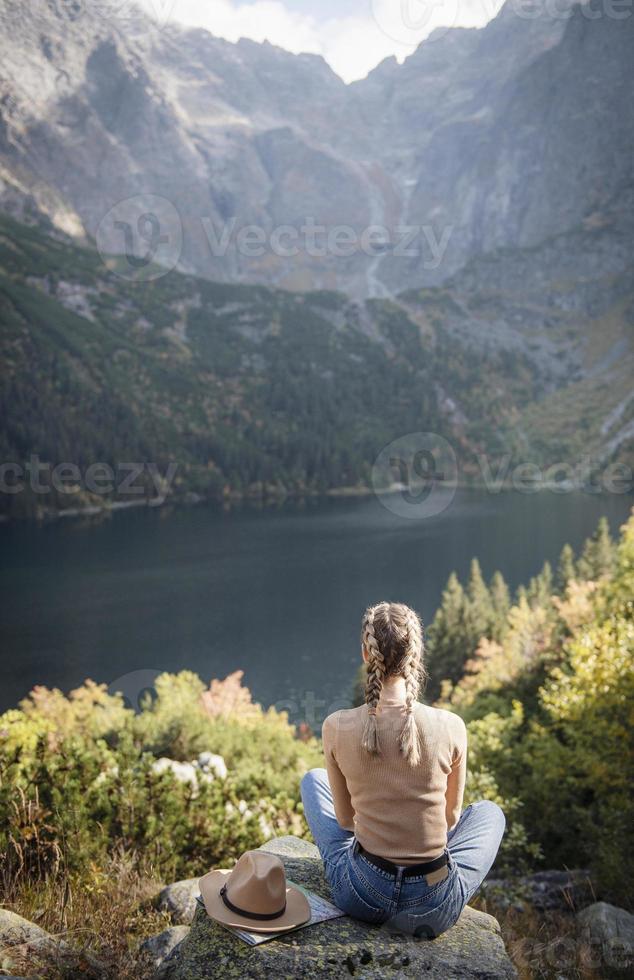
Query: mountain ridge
(95, 112)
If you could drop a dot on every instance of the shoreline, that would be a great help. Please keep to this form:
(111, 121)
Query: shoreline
(271, 500)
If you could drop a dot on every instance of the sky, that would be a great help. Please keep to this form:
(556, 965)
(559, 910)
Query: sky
(352, 35)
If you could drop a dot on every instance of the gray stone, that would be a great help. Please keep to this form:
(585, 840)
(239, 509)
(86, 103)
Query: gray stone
(342, 947)
(23, 945)
(611, 929)
(212, 764)
(16, 931)
(160, 946)
(179, 900)
(546, 891)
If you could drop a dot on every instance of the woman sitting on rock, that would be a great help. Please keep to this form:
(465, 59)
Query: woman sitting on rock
(386, 813)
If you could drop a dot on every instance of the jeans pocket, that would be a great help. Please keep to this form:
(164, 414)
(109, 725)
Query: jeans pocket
(347, 896)
(428, 923)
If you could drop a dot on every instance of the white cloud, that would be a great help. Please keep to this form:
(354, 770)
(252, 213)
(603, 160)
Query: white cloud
(351, 45)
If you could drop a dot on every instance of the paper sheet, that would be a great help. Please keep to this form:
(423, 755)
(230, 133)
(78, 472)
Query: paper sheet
(320, 911)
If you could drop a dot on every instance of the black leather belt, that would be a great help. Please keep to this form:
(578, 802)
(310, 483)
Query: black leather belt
(409, 870)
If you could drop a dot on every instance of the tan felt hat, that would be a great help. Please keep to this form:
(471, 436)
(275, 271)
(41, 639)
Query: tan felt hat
(254, 895)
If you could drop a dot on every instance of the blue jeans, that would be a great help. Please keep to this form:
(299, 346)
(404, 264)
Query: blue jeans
(408, 904)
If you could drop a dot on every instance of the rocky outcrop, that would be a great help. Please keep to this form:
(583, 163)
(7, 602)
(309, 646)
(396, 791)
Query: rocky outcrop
(472, 949)
(611, 931)
(179, 901)
(25, 946)
(160, 946)
(17, 932)
(545, 891)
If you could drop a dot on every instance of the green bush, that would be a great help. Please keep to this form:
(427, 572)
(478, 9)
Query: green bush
(550, 713)
(77, 782)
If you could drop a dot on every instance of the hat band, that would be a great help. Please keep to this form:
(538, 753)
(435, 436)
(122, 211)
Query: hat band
(249, 915)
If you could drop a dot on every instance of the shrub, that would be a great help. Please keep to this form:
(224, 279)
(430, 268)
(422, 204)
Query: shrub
(78, 784)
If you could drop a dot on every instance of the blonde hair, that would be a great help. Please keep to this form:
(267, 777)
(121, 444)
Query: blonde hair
(392, 636)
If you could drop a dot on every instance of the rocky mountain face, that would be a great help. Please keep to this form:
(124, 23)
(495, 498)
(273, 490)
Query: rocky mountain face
(483, 139)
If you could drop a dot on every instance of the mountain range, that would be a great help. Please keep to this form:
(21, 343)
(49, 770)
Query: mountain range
(484, 190)
(482, 139)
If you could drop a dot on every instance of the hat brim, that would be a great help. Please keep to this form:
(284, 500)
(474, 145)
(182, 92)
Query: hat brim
(297, 910)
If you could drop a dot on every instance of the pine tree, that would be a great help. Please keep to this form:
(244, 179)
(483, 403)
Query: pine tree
(521, 595)
(598, 555)
(540, 588)
(480, 613)
(447, 642)
(501, 603)
(565, 568)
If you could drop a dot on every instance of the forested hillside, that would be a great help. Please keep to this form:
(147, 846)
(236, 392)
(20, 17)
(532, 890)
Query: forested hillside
(251, 390)
(546, 684)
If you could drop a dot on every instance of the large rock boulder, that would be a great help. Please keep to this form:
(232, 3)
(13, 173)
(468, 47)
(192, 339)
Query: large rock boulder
(342, 947)
(179, 900)
(611, 931)
(17, 932)
(25, 946)
(160, 946)
(545, 891)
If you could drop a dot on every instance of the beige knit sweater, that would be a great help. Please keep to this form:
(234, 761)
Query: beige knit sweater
(397, 811)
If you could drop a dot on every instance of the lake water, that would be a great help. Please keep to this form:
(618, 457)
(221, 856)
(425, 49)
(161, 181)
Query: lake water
(277, 593)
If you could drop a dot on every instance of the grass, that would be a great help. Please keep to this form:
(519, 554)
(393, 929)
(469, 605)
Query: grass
(545, 945)
(104, 917)
(107, 916)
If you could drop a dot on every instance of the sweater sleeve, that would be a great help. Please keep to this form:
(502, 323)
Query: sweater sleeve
(340, 794)
(457, 777)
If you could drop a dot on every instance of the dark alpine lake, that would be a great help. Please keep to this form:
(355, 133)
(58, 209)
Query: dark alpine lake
(278, 593)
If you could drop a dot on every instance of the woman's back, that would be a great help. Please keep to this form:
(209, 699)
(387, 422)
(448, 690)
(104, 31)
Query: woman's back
(392, 793)
(397, 811)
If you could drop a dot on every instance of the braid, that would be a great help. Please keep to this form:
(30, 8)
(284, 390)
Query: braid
(374, 683)
(412, 670)
(392, 637)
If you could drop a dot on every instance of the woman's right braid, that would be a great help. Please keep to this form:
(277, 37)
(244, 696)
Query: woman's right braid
(374, 683)
(409, 739)
(414, 668)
